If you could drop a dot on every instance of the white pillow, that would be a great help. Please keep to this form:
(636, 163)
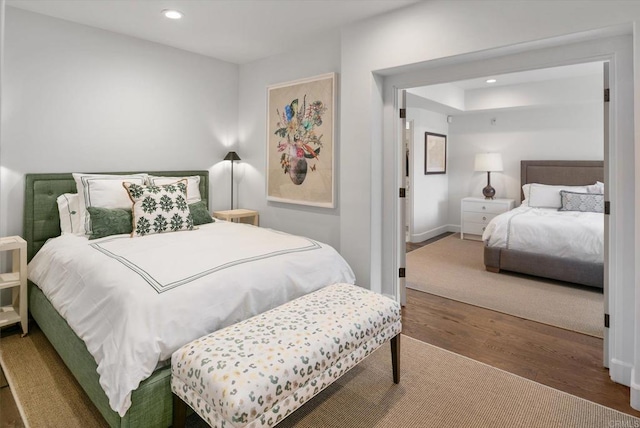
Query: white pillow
(546, 196)
(69, 213)
(193, 185)
(598, 187)
(103, 191)
(525, 192)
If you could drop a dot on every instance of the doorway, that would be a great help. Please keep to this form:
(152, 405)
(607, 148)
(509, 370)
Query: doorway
(493, 116)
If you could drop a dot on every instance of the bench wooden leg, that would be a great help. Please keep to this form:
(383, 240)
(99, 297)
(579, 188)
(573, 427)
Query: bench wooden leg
(493, 269)
(179, 412)
(395, 358)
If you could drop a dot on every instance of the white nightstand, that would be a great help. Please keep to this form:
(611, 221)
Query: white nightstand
(16, 280)
(239, 214)
(478, 212)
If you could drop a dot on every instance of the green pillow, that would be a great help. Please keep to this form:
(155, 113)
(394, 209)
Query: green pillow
(200, 213)
(109, 221)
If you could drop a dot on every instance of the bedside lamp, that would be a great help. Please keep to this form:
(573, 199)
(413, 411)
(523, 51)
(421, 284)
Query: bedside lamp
(232, 156)
(488, 162)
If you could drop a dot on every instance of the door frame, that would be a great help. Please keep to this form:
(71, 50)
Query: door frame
(413, 79)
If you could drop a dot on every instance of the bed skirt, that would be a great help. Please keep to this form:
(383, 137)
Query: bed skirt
(562, 269)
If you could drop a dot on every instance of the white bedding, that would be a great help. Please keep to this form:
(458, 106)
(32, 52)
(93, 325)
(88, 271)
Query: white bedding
(134, 301)
(568, 234)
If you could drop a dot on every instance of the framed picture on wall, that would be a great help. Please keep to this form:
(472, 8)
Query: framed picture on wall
(300, 141)
(435, 153)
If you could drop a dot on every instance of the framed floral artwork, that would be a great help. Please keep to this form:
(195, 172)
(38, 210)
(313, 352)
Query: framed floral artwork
(435, 153)
(300, 141)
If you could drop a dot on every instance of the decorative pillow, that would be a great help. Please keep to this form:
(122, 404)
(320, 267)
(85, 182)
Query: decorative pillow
(69, 213)
(158, 209)
(200, 213)
(546, 196)
(584, 202)
(193, 185)
(103, 191)
(109, 221)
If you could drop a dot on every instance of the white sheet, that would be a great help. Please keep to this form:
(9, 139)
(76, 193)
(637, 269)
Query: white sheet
(569, 234)
(134, 301)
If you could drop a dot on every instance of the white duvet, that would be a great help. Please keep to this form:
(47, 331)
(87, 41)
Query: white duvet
(569, 234)
(134, 301)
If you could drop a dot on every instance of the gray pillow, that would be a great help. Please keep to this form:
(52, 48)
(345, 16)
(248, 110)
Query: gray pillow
(583, 202)
(109, 221)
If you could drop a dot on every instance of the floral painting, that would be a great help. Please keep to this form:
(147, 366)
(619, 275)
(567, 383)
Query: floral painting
(300, 139)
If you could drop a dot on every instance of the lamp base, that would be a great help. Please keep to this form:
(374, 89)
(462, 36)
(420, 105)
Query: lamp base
(489, 192)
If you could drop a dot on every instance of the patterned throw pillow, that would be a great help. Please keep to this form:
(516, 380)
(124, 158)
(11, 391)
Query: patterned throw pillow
(584, 202)
(200, 213)
(158, 209)
(107, 222)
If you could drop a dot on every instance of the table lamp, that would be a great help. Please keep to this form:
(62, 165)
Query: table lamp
(488, 162)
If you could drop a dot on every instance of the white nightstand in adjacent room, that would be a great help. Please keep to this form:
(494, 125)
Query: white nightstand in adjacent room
(478, 212)
(15, 280)
(241, 215)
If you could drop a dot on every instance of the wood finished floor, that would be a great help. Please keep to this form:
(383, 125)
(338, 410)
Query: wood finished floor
(561, 359)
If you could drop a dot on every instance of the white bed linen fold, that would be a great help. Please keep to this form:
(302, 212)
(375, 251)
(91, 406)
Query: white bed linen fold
(134, 301)
(568, 234)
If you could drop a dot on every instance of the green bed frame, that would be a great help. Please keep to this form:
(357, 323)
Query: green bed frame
(151, 403)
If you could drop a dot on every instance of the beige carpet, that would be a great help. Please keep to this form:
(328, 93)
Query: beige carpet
(437, 389)
(454, 268)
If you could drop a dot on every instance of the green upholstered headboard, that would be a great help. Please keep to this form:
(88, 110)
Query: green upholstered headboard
(41, 217)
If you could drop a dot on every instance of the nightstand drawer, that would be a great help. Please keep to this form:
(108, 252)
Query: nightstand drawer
(475, 217)
(474, 228)
(484, 207)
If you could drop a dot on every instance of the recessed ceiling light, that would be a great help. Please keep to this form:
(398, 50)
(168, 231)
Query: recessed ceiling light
(491, 80)
(172, 14)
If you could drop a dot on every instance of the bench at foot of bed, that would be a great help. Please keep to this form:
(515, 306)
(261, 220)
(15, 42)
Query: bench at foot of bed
(257, 372)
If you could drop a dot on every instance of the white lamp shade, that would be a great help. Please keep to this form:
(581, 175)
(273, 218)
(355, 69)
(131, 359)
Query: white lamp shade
(488, 162)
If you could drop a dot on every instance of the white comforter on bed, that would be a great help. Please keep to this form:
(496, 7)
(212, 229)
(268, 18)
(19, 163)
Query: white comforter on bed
(569, 234)
(134, 301)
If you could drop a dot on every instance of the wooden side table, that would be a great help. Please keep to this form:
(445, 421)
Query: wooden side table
(249, 216)
(16, 280)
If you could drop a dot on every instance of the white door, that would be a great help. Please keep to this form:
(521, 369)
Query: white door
(605, 352)
(401, 243)
(408, 149)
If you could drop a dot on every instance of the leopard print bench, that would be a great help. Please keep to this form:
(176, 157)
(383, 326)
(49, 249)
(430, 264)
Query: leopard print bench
(258, 371)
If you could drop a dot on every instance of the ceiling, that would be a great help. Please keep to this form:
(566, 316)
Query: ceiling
(473, 95)
(563, 72)
(237, 31)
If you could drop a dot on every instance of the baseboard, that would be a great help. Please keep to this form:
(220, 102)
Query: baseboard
(420, 237)
(635, 392)
(620, 372)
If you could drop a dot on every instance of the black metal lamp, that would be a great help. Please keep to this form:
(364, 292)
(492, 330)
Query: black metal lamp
(232, 156)
(488, 162)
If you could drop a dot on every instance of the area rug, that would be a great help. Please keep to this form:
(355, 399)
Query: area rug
(437, 388)
(454, 268)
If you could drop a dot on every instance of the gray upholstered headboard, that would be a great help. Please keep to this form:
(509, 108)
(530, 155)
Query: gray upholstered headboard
(41, 217)
(573, 173)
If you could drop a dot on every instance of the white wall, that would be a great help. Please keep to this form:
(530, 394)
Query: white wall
(552, 132)
(442, 35)
(429, 193)
(77, 98)
(317, 223)
(553, 119)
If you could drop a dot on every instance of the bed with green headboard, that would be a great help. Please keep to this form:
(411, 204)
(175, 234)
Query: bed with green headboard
(214, 275)
(151, 402)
